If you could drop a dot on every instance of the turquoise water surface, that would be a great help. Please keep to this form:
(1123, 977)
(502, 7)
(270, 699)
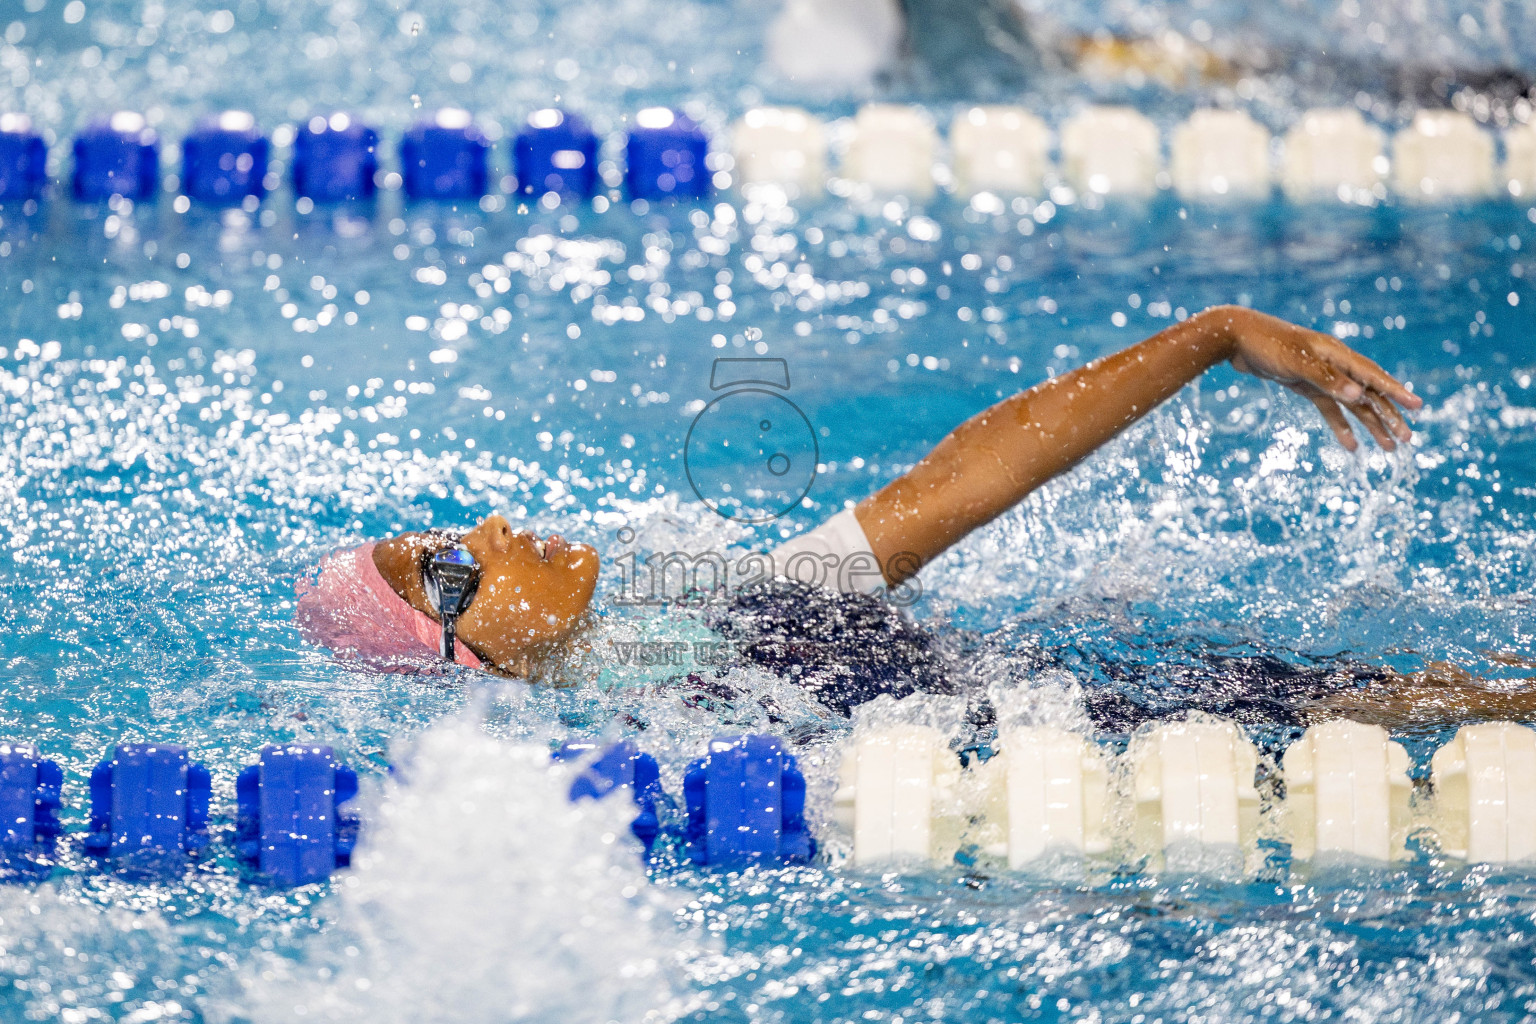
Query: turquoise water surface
(195, 407)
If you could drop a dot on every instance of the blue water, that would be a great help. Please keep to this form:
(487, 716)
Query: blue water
(195, 408)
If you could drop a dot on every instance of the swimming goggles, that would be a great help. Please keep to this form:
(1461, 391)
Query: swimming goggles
(450, 575)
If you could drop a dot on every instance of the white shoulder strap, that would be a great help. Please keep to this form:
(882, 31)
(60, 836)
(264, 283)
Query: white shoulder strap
(836, 554)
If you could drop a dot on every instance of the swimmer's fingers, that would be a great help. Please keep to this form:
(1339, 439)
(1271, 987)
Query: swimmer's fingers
(1332, 414)
(1390, 417)
(1319, 372)
(1366, 371)
(1365, 389)
(1368, 411)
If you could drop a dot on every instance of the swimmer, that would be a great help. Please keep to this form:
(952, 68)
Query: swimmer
(976, 48)
(373, 603)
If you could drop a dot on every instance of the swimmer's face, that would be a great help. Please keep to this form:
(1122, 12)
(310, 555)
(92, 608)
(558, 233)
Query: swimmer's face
(532, 590)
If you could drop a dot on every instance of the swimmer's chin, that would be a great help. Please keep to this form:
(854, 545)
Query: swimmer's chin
(563, 662)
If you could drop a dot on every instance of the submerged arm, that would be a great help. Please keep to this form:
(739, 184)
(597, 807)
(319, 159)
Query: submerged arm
(991, 461)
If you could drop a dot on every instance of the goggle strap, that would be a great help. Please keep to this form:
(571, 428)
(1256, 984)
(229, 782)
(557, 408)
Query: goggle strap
(449, 634)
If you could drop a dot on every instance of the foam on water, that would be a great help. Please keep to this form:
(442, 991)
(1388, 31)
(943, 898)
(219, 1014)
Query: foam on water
(58, 955)
(482, 893)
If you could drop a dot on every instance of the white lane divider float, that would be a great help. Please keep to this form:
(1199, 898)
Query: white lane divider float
(1111, 151)
(1485, 793)
(780, 146)
(1443, 154)
(1196, 807)
(1046, 792)
(893, 150)
(1520, 160)
(898, 795)
(1220, 153)
(1334, 153)
(1190, 799)
(999, 149)
(1347, 793)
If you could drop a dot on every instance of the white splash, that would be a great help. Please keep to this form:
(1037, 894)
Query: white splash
(482, 894)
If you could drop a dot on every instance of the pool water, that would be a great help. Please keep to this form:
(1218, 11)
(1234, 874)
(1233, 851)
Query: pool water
(196, 407)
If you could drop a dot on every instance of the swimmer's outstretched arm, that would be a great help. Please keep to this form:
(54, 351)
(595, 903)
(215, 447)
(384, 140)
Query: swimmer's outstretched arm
(991, 461)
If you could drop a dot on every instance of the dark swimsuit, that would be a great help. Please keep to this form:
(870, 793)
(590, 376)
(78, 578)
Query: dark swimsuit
(847, 649)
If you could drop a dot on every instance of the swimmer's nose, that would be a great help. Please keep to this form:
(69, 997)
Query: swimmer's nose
(498, 532)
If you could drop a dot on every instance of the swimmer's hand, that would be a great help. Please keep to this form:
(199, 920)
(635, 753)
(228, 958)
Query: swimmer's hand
(1321, 369)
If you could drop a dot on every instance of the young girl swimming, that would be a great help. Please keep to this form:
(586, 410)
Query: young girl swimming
(511, 597)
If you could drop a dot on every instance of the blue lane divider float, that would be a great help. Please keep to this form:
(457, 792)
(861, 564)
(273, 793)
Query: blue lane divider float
(620, 766)
(29, 810)
(292, 824)
(23, 158)
(224, 159)
(335, 159)
(444, 157)
(149, 808)
(746, 805)
(116, 156)
(556, 152)
(666, 156)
